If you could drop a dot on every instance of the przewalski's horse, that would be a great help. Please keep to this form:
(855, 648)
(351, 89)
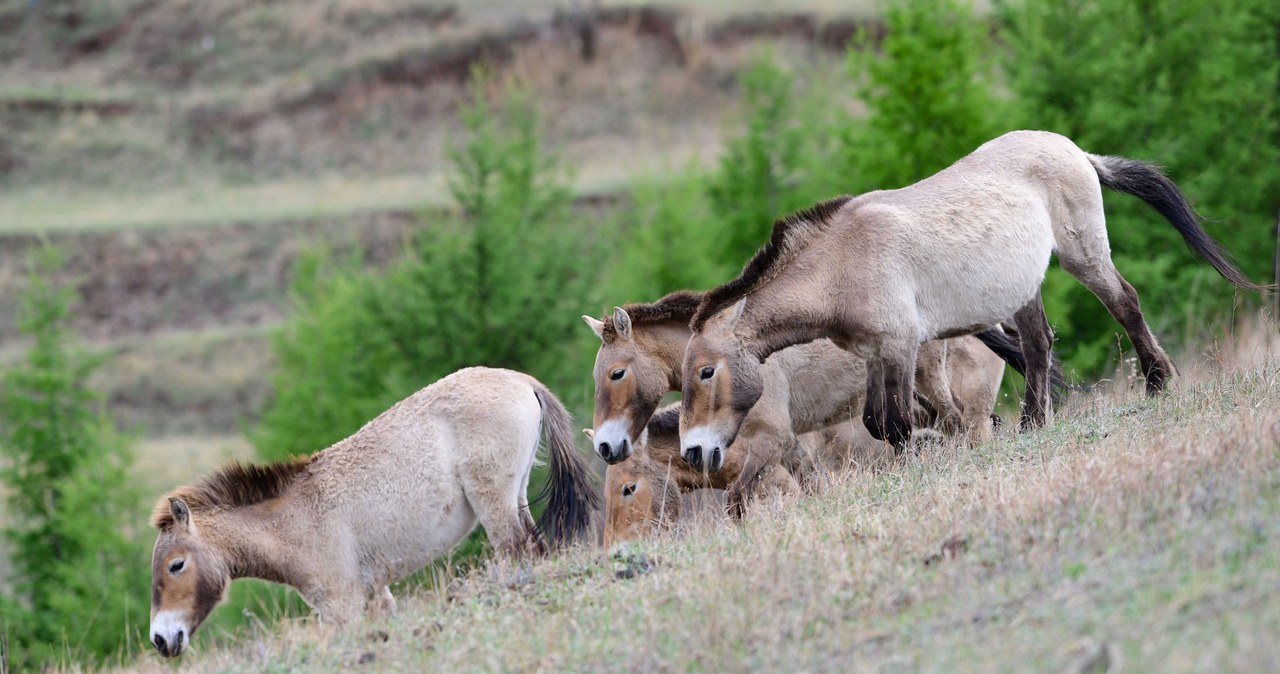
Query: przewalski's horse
(642, 493)
(809, 386)
(952, 254)
(341, 525)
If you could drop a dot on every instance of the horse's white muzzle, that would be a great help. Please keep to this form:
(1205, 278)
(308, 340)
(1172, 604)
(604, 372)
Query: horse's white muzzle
(170, 633)
(613, 441)
(703, 449)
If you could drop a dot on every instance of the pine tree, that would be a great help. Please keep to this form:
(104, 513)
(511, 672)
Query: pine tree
(77, 573)
(1189, 84)
(929, 96)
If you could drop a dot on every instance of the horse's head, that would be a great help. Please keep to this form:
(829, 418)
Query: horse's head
(188, 578)
(630, 382)
(721, 382)
(631, 510)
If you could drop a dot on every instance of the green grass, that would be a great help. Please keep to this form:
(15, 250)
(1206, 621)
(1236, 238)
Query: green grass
(27, 93)
(44, 210)
(1141, 531)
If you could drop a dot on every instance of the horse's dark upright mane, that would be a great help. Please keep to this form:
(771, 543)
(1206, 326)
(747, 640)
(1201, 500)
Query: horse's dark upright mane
(781, 243)
(665, 422)
(678, 306)
(237, 484)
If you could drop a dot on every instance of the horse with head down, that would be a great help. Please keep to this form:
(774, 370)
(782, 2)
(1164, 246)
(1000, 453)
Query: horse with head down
(341, 525)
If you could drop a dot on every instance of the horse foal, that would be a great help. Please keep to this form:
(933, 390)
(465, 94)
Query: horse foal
(341, 525)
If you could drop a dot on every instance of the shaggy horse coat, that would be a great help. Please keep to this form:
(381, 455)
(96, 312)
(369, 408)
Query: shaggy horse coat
(341, 525)
(952, 254)
(809, 386)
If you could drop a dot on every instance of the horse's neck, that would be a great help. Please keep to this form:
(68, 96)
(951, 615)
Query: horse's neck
(666, 342)
(258, 541)
(793, 307)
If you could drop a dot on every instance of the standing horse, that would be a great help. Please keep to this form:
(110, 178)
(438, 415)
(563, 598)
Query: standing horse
(952, 254)
(341, 525)
(810, 386)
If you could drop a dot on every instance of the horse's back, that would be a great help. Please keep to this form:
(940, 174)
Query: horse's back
(971, 243)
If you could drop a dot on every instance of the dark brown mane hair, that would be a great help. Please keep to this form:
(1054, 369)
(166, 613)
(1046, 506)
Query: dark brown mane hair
(677, 306)
(237, 484)
(665, 422)
(761, 266)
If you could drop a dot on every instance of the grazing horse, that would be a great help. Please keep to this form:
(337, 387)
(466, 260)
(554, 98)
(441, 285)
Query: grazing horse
(952, 254)
(341, 525)
(810, 386)
(642, 494)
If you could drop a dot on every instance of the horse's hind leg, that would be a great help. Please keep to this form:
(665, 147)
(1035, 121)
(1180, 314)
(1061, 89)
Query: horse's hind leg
(497, 492)
(509, 527)
(1100, 276)
(1037, 346)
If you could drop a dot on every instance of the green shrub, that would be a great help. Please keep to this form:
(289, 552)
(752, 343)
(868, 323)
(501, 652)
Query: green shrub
(80, 566)
(501, 285)
(929, 96)
(1191, 85)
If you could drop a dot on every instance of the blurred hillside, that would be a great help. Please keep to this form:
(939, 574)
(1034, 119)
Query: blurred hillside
(184, 152)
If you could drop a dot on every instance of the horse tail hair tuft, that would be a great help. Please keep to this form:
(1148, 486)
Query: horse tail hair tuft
(1145, 181)
(569, 494)
(1006, 345)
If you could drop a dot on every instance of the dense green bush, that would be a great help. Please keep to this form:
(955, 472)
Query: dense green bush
(1192, 85)
(928, 93)
(80, 564)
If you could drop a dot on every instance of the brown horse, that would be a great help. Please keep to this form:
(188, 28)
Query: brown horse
(810, 386)
(952, 254)
(341, 525)
(642, 494)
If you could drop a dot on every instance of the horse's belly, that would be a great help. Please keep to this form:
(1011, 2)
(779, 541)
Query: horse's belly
(963, 295)
(407, 538)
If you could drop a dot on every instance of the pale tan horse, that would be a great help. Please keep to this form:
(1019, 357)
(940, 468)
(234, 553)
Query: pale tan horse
(341, 525)
(643, 493)
(809, 387)
(952, 254)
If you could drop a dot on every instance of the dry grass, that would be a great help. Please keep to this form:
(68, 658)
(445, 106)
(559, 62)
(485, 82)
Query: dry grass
(1140, 531)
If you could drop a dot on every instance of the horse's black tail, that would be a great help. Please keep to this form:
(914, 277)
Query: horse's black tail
(1010, 351)
(1146, 182)
(569, 495)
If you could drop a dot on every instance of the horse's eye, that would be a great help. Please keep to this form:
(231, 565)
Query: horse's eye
(617, 374)
(177, 565)
(708, 372)
(628, 489)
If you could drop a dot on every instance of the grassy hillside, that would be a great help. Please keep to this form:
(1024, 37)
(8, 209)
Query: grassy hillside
(1133, 533)
(182, 153)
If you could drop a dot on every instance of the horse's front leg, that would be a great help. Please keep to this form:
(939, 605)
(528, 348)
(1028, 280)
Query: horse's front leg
(933, 383)
(887, 411)
(761, 447)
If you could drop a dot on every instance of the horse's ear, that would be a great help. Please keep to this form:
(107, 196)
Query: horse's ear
(622, 321)
(181, 513)
(736, 312)
(591, 434)
(596, 326)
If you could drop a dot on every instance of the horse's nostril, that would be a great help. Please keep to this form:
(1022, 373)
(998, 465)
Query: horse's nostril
(161, 645)
(693, 456)
(717, 457)
(605, 450)
(622, 450)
